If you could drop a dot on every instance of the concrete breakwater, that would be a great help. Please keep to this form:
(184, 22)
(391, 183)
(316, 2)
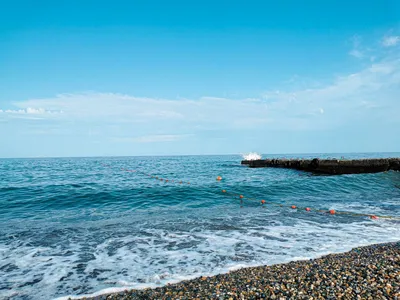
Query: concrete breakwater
(329, 166)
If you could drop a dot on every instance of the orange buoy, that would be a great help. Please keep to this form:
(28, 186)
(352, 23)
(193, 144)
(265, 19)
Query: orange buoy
(241, 196)
(332, 212)
(293, 206)
(224, 191)
(219, 178)
(374, 217)
(308, 209)
(166, 180)
(262, 201)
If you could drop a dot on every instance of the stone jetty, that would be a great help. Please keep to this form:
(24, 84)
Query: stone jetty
(329, 166)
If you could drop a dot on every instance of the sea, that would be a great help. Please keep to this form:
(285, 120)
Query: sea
(74, 227)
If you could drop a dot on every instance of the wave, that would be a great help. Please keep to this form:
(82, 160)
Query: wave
(251, 156)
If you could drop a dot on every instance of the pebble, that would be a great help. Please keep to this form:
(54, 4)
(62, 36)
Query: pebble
(371, 272)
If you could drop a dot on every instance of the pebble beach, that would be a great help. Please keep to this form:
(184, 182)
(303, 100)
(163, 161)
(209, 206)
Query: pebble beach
(370, 272)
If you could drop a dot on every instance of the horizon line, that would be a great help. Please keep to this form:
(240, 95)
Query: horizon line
(176, 155)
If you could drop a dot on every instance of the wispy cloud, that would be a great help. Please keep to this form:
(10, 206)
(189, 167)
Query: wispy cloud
(208, 111)
(389, 41)
(29, 111)
(343, 99)
(356, 53)
(161, 114)
(159, 138)
(315, 106)
(356, 49)
(155, 138)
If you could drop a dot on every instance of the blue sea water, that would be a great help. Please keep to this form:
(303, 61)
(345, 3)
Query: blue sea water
(81, 226)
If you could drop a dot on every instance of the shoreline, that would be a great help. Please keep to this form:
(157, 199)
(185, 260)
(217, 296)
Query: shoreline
(366, 272)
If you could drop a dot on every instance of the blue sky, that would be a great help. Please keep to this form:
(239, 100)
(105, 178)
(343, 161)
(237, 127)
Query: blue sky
(94, 78)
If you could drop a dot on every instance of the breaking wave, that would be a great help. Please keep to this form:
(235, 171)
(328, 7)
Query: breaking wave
(251, 156)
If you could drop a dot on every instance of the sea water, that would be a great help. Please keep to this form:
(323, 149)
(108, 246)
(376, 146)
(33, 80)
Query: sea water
(85, 226)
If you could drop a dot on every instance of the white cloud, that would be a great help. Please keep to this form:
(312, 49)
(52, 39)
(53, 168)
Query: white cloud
(29, 111)
(300, 109)
(313, 105)
(209, 111)
(389, 41)
(11, 111)
(377, 84)
(161, 114)
(356, 53)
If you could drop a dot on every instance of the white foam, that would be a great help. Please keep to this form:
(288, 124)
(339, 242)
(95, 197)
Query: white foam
(150, 255)
(251, 156)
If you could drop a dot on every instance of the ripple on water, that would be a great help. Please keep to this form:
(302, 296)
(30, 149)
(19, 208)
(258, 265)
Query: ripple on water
(73, 226)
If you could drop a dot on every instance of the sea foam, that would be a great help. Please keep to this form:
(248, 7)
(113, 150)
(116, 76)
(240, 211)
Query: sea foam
(251, 156)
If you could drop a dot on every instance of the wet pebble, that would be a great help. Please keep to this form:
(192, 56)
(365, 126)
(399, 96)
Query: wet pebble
(371, 272)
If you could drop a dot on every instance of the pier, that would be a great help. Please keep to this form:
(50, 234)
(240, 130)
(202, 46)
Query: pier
(329, 166)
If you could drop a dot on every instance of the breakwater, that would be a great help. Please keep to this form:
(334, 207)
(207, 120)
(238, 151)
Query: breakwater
(329, 166)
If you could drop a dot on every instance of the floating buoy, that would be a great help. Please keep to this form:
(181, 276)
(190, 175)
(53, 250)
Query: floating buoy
(308, 209)
(166, 180)
(374, 217)
(332, 212)
(224, 191)
(241, 196)
(293, 206)
(219, 178)
(180, 182)
(262, 201)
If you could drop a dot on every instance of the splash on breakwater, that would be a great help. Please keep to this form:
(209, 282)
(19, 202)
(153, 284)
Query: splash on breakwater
(251, 156)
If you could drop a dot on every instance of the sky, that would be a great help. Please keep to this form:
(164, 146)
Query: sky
(121, 78)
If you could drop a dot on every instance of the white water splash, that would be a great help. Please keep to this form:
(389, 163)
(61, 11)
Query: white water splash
(251, 156)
